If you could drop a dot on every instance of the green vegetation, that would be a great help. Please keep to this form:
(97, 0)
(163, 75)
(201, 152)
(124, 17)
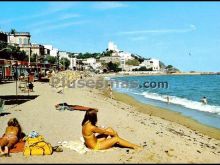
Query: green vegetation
(51, 59)
(162, 65)
(138, 57)
(33, 58)
(13, 31)
(113, 67)
(171, 69)
(10, 52)
(92, 55)
(134, 62)
(65, 62)
(143, 68)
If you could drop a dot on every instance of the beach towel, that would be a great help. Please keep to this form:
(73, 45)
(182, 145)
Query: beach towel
(76, 145)
(65, 106)
(79, 107)
(18, 147)
(79, 146)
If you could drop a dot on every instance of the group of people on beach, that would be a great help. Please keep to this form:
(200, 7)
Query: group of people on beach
(203, 100)
(95, 137)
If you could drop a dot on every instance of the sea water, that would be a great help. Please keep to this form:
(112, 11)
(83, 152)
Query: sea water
(184, 91)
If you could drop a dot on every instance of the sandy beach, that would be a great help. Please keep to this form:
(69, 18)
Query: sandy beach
(164, 140)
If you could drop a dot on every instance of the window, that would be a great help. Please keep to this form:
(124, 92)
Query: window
(20, 41)
(25, 41)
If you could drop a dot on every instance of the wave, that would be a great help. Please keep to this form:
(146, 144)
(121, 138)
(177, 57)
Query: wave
(107, 78)
(183, 102)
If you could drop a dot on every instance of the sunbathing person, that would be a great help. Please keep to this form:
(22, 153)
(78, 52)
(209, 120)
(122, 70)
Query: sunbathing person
(12, 135)
(105, 139)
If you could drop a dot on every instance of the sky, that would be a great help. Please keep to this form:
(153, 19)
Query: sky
(183, 34)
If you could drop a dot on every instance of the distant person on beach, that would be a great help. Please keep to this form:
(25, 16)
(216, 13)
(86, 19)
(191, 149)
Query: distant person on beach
(12, 135)
(110, 91)
(204, 100)
(15, 76)
(31, 87)
(168, 99)
(105, 139)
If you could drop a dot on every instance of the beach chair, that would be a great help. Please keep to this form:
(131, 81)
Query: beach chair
(2, 103)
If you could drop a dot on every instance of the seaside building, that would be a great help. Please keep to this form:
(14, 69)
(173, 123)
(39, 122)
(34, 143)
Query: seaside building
(46, 51)
(73, 63)
(90, 61)
(73, 60)
(113, 47)
(53, 51)
(20, 39)
(113, 59)
(116, 52)
(64, 54)
(37, 49)
(151, 63)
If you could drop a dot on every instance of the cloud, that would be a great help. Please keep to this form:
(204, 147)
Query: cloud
(109, 5)
(51, 8)
(56, 20)
(182, 30)
(58, 26)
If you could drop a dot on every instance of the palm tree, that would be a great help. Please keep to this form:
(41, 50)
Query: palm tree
(13, 31)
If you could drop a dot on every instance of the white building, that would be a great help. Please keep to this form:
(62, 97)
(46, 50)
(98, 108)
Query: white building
(63, 54)
(53, 51)
(92, 62)
(151, 63)
(116, 52)
(125, 55)
(113, 47)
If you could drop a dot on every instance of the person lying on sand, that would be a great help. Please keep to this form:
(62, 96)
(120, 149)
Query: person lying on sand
(11, 136)
(106, 139)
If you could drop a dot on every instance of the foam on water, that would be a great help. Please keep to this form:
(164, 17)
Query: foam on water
(183, 102)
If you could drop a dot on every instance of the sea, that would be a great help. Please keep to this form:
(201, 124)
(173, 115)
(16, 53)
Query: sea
(183, 91)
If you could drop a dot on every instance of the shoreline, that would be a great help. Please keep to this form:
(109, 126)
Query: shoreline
(168, 115)
(156, 74)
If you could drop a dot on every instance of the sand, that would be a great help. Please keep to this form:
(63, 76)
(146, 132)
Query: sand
(164, 141)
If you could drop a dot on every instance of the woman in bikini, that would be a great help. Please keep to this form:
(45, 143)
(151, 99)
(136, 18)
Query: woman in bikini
(11, 136)
(107, 138)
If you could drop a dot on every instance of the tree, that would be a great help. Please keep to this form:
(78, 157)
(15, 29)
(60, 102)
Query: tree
(51, 59)
(65, 62)
(138, 57)
(13, 31)
(143, 68)
(33, 58)
(162, 65)
(12, 52)
(106, 53)
(113, 66)
(88, 55)
(169, 67)
(22, 56)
